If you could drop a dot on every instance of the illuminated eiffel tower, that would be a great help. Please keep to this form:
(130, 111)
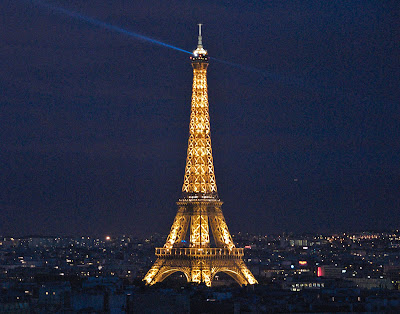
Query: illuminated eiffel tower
(200, 205)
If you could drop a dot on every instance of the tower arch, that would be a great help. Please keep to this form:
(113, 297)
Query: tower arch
(166, 272)
(234, 274)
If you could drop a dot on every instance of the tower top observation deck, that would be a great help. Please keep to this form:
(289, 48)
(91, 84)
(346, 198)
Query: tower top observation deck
(200, 54)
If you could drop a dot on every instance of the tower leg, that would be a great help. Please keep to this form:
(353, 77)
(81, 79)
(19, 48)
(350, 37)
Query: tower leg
(199, 233)
(178, 229)
(151, 274)
(163, 268)
(220, 230)
(246, 273)
(201, 271)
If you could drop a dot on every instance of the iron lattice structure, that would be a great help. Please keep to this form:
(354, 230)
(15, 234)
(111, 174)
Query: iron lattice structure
(200, 208)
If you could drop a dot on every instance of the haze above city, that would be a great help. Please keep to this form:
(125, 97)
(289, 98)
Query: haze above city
(304, 115)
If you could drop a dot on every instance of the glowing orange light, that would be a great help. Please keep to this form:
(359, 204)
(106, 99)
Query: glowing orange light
(199, 210)
(302, 263)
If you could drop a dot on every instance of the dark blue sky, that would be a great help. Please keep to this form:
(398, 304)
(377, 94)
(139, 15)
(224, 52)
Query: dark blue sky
(94, 124)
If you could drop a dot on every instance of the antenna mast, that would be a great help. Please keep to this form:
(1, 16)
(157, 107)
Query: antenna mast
(200, 42)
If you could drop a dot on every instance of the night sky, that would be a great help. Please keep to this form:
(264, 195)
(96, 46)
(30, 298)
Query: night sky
(94, 123)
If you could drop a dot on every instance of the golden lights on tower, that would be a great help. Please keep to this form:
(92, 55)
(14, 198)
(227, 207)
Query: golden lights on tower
(199, 210)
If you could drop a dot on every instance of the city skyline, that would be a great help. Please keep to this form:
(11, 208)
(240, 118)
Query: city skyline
(338, 272)
(304, 114)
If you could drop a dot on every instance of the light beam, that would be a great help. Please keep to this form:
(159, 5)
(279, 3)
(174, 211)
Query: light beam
(105, 25)
(117, 29)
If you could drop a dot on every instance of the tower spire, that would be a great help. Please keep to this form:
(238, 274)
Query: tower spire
(200, 39)
(200, 51)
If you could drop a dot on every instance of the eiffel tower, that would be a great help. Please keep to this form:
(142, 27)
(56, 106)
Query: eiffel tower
(200, 205)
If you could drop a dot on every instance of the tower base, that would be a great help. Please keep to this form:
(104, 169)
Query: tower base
(199, 265)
